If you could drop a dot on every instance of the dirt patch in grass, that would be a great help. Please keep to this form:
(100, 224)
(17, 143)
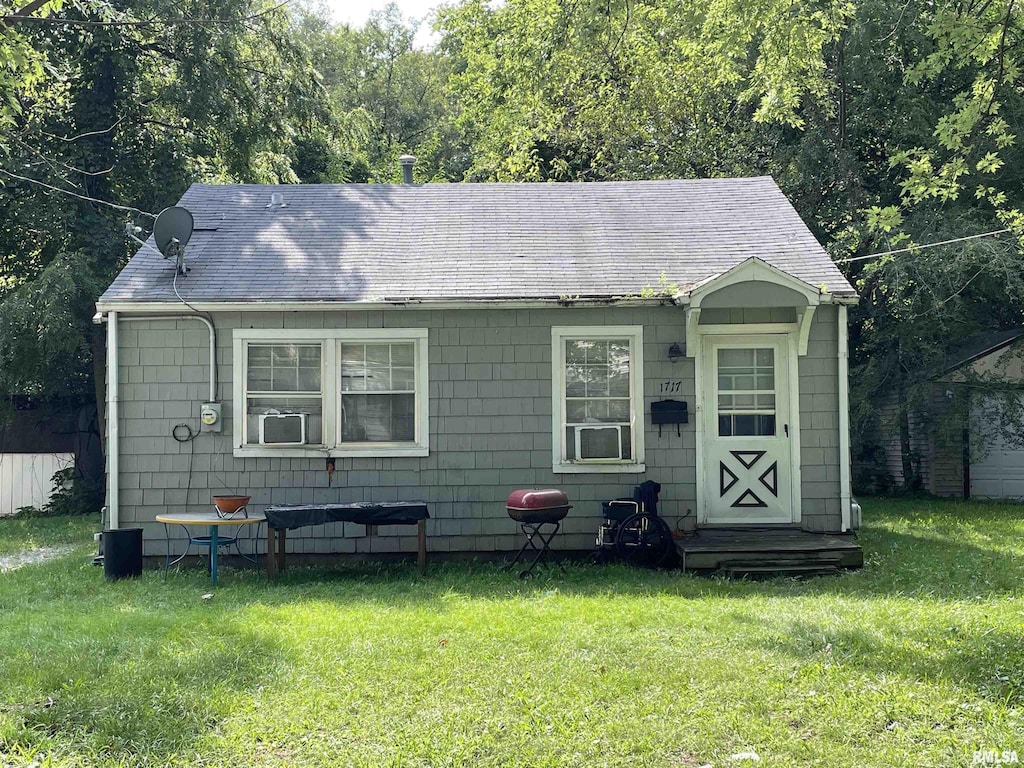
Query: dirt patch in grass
(30, 557)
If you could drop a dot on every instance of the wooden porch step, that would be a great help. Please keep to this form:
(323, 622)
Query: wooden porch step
(711, 550)
(818, 559)
(799, 571)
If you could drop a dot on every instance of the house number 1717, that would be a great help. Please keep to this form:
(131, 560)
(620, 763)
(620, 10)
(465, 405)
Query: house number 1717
(670, 386)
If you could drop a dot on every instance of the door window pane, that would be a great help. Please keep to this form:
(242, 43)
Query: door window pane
(746, 386)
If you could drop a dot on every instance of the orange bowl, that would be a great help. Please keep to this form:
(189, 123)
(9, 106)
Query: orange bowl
(228, 505)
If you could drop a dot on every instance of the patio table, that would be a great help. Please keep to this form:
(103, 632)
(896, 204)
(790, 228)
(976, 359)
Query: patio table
(213, 540)
(281, 518)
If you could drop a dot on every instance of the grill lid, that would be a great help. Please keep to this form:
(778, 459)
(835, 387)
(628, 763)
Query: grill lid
(533, 498)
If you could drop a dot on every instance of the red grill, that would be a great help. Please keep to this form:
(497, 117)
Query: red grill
(538, 506)
(539, 513)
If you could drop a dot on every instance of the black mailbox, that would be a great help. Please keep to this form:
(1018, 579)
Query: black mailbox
(669, 412)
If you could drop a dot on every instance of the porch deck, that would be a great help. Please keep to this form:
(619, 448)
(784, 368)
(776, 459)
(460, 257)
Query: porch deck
(768, 550)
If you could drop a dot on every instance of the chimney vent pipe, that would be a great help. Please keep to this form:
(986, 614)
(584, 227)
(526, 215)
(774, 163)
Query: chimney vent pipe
(407, 162)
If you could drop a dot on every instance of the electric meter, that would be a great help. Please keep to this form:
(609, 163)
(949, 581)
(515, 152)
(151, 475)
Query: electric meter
(209, 415)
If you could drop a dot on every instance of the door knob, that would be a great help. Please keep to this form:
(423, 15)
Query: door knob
(786, 428)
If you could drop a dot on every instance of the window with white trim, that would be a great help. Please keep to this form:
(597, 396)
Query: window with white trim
(597, 399)
(354, 392)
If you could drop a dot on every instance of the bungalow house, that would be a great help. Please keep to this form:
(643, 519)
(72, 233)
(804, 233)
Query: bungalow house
(454, 342)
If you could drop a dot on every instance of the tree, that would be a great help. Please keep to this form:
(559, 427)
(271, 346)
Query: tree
(940, 163)
(398, 91)
(135, 101)
(618, 90)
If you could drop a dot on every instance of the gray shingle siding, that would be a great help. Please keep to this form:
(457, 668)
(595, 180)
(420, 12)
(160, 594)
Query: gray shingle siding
(490, 429)
(819, 424)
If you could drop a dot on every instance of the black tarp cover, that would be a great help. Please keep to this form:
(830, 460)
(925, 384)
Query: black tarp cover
(363, 513)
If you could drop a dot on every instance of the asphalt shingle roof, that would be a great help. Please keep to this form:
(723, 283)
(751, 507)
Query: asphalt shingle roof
(357, 242)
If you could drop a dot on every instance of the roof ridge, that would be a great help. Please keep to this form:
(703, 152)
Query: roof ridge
(484, 184)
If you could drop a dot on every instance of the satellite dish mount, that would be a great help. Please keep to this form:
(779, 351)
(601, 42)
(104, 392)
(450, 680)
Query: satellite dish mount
(172, 231)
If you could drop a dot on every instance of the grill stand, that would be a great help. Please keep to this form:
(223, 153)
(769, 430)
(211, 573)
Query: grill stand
(533, 531)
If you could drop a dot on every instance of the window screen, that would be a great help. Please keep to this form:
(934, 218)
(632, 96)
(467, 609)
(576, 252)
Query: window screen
(597, 392)
(284, 378)
(378, 393)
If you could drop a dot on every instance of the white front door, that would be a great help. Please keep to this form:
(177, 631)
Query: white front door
(747, 430)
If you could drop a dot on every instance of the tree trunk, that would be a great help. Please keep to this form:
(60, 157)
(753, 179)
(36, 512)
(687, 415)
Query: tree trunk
(911, 476)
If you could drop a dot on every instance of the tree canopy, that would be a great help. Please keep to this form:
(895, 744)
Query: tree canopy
(889, 125)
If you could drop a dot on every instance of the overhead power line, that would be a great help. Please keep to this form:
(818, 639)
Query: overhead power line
(88, 199)
(922, 247)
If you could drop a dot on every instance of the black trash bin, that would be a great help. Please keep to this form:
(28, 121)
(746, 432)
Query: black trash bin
(122, 553)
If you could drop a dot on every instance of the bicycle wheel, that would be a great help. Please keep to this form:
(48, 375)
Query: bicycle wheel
(645, 540)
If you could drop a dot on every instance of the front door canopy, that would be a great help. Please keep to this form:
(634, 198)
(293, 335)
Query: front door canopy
(753, 280)
(752, 284)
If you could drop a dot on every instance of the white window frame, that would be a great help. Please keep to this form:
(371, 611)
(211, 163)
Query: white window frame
(331, 340)
(635, 335)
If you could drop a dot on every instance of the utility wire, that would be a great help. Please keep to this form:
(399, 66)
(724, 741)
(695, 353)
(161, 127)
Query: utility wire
(144, 244)
(180, 298)
(17, 18)
(922, 247)
(43, 184)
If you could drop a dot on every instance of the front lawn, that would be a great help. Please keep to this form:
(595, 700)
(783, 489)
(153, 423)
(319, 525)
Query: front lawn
(916, 661)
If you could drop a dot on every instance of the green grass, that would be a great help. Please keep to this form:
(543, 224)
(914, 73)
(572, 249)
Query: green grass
(916, 661)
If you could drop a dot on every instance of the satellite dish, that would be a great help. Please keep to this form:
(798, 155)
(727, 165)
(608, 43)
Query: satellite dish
(172, 230)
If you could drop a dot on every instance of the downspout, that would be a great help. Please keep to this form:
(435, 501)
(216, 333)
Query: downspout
(113, 423)
(845, 494)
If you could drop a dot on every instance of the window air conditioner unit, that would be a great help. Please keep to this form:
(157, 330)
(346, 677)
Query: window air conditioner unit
(282, 428)
(597, 443)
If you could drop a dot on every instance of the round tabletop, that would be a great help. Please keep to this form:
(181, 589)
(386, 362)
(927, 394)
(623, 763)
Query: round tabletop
(208, 518)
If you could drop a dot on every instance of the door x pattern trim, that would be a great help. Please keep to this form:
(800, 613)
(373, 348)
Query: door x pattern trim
(769, 479)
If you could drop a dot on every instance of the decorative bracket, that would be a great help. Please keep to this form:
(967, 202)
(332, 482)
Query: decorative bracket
(692, 338)
(804, 317)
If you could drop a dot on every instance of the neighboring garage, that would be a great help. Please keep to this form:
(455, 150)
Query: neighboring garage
(999, 473)
(984, 458)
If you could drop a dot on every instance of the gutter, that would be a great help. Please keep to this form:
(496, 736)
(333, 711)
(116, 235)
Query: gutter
(680, 299)
(113, 398)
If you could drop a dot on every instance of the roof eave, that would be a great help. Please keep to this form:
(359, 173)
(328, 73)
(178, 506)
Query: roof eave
(258, 305)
